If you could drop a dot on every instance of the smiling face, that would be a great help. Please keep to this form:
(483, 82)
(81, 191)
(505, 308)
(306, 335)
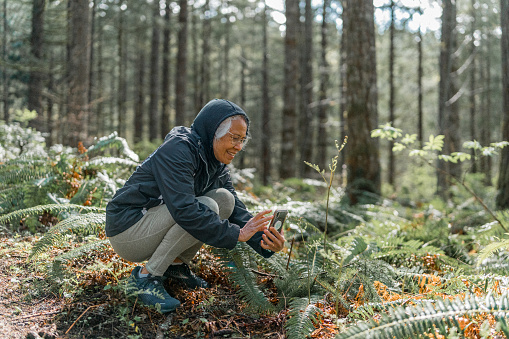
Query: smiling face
(224, 147)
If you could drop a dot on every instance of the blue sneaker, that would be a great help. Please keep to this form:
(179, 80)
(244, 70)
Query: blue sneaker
(151, 292)
(182, 273)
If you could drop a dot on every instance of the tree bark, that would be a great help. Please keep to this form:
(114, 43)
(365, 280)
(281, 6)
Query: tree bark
(165, 85)
(503, 180)
(448, 110)
(306, 97)
(5, 78)
(51, 139)
(323, 104)
(391, 172)
(154, 75)
(291, 75)
(139, 105)
(77, 122)
(420, 75)
(472, 84)
(362, 151)
(266, 126)
(486, 126)
(205, 57)
(225, 73)
(181, 81)
(36, 82)
(122, 76)
(100, 118)
(195, 69)
(92, 115)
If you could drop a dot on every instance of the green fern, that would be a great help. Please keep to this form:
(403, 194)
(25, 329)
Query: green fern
(302, 316)
(51, 208)
(112, 141)
(86, 223)
(244, 278)
(359, 246)
(22, 175)
(491, 249)
(413, 321)
(57, 268)
(101, 161)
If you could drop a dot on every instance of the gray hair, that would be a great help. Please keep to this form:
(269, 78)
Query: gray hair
(225, 126)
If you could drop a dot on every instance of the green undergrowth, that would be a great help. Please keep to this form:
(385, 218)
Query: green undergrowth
(404, 266)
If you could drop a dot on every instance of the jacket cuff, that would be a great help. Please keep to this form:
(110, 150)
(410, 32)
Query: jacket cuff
(234, 237)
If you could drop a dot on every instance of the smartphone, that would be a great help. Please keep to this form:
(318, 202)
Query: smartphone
(279, 219)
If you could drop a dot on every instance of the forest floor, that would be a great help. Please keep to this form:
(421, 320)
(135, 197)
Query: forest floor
(93, 306)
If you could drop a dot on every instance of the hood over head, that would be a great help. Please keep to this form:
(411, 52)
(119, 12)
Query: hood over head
(210, 117)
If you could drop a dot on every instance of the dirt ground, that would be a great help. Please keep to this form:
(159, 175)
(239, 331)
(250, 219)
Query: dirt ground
(33, 307)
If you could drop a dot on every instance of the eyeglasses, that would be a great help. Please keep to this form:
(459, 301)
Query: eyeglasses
(238, 140)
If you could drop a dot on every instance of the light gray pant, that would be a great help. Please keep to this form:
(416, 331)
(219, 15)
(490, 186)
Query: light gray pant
(158, 238)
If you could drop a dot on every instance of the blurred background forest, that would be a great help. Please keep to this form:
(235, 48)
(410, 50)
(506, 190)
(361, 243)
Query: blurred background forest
(307, 72)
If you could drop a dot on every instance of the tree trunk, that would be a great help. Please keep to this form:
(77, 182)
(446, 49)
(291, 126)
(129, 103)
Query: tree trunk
(420, 75)
(486, 126)
(181, 81)
(195, 62)
(77, 122)
(342, 106)
(472, 84)
(205, 57)
(362, 151)
(122, 67)
(5, 78)
(448, 115)
(154, 75)
(503, 180)
(241, 163)
(291, 75)
(92, 113)
(36, 82)
(323, 104)
(100, 118)
(266, 126)
(51, 139)
(165, 85)
(225, 74)
(306, 98)
(112, 123)
(391, 172)
(139, 105)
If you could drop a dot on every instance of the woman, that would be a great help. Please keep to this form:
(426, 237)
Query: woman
(182, 196)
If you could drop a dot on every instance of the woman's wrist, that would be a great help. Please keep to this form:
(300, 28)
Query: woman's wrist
(242, 236)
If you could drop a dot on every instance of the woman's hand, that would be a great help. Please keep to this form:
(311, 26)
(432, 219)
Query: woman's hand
(258, 223)
(273, 240)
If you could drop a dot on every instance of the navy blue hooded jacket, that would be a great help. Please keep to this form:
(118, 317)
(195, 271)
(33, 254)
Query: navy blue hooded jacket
(181, 169)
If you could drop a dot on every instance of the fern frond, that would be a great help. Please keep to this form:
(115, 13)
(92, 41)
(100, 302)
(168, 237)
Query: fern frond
(23, 160)
(57, 268)
(113, 141)
(91, 222)
(112, 161)
(303, 314)
(52, 208)
(359, 246)
(492, 248)
(248, 289)
(412, 321)
(23, 175)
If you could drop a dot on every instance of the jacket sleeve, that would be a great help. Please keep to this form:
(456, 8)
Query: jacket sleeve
(173, 167)
(241, 216)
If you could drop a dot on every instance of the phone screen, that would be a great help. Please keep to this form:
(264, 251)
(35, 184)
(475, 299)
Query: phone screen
(279, 219)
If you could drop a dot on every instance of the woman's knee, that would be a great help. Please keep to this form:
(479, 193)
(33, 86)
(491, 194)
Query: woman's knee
(209, 202)
(225, 201)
